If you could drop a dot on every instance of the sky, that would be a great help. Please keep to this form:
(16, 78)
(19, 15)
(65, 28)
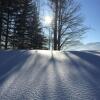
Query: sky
(91, 12)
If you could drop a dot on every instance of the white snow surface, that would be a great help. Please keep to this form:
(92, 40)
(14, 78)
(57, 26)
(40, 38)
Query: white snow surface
(49, 75)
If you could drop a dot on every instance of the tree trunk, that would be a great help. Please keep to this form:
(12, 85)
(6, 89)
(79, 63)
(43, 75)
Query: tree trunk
(0, 24)
(55, 27)
(7, 31)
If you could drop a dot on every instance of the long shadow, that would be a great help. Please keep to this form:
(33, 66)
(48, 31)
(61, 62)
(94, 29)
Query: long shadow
(59, 90)
(62, 91)
(39, 71)
(12, 62)
(45, 93)
(93, 60)
(40, 76)
(89, 57)
(43, 74)
(90, 75)
(34, 75)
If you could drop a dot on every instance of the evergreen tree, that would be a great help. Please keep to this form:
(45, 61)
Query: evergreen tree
(20, 25)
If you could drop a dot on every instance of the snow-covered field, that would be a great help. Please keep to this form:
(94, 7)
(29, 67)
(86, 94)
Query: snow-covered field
(47, 75)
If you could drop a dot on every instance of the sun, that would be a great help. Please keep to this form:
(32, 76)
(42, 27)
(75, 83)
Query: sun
(48, 20)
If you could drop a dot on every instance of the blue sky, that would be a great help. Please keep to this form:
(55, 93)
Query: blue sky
(91, 11)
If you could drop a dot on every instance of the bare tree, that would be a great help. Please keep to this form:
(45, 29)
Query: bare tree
(68, 24)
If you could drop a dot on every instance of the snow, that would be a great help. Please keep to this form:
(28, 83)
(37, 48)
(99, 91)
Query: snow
(89, 46)
(49, 75)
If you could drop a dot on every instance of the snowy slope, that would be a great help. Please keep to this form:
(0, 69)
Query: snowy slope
(89, 46)
(47, 75)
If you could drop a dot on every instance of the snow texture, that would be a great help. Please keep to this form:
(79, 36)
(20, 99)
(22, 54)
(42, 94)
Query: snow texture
(49, 75)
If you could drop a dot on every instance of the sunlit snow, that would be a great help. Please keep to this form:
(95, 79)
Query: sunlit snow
(49, 75)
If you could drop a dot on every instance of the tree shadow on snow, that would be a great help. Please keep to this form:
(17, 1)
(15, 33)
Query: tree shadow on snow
(56, 90)
(87, 65)
(11, 62)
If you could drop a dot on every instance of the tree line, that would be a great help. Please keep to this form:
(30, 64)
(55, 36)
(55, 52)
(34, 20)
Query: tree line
(21, 27)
